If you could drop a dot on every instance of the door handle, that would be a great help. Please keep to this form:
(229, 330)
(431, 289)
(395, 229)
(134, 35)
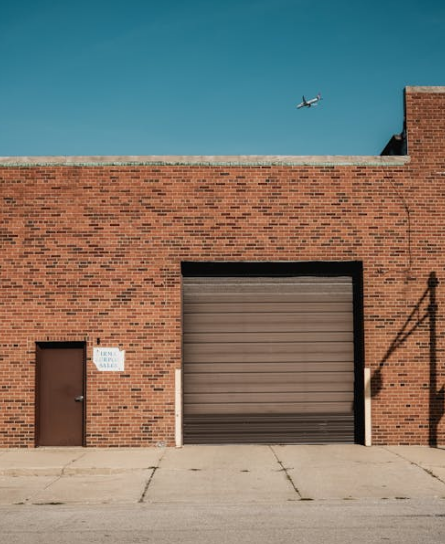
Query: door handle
(79, 398)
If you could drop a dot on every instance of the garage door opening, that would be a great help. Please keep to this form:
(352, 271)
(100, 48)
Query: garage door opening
(272, 353)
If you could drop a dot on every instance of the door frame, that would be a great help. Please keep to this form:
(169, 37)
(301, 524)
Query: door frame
(61, 345)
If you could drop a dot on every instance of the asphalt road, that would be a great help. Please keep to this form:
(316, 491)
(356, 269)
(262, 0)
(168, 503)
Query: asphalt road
(295, 522)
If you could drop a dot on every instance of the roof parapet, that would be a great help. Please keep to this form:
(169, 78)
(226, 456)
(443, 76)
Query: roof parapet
(425, 89)
(202, 160)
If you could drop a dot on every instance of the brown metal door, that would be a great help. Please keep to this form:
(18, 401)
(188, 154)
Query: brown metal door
(60, 399)
(268, 360)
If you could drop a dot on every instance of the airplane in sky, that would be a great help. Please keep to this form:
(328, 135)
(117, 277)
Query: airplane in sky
(309, 103)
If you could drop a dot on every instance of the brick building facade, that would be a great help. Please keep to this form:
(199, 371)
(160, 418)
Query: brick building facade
(96, 250)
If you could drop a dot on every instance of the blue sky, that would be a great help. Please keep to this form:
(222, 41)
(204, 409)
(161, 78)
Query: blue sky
(212, 77)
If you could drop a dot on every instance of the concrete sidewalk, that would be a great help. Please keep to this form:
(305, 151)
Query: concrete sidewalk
(219, 474)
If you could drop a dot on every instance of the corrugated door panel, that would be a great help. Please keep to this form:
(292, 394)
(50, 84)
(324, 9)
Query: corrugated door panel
(268, 360)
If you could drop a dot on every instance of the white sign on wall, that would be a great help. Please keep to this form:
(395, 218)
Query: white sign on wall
(109, 359)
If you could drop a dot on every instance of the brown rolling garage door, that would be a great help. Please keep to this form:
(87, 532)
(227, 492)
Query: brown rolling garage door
(268, 360)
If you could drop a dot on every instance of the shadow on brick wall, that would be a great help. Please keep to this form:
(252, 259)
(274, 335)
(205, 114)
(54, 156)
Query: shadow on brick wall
(425, 311)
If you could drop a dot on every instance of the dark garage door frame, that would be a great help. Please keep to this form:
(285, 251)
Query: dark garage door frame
(352, 269)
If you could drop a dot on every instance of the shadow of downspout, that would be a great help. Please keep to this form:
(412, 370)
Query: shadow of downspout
(413, 322)
(436, 400)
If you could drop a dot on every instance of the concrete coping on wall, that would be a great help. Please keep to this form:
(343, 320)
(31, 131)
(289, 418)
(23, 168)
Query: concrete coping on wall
(425, 89)
(202, 160)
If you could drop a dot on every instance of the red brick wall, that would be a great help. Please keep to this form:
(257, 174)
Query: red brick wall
(95, 251)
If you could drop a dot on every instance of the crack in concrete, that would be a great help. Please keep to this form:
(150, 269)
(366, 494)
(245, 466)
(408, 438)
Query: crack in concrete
(31, 497)
(427, 470)
(288, 476)
(62, 473)
(147, 485)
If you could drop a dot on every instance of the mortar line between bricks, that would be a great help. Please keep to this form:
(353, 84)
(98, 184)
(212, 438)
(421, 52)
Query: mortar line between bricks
(284, 469)
(429, 472)
(147, 485)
